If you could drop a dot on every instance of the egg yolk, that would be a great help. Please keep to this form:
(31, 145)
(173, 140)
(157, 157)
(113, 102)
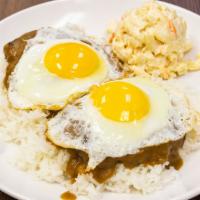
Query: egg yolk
(120, 101)
(71, 60)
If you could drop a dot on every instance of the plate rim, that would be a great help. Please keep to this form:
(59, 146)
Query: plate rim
(58, 1)
(191, 194)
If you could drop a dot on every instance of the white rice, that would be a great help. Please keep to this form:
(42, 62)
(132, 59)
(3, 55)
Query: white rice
(140, 179)
(26, 129)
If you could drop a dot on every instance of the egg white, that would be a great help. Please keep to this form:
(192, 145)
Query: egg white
(169, 119)
(31, 85)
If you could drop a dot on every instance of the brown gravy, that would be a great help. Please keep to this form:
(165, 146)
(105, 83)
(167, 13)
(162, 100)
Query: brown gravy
(68, 196)
(147, 156)
(77, 163)
(13, 52)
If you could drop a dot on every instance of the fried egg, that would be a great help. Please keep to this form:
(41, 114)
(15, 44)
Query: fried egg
(56, 67)
(119, 117)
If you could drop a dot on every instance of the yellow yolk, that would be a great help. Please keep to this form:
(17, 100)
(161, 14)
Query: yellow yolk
(120, 101)
(71, 60)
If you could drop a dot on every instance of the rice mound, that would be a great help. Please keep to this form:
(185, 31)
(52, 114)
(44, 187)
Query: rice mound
(138, 180)
(36, 155)
(48, 162)
(26, 130)
(151, 40)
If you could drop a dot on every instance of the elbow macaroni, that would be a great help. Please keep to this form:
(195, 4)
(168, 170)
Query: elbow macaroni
(151, 40)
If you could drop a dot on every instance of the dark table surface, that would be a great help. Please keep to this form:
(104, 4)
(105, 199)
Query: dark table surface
(8, 7)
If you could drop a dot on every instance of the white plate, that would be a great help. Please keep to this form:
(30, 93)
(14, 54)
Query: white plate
(94, 16)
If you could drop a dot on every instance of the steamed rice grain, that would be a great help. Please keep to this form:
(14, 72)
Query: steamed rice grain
(26, 130)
